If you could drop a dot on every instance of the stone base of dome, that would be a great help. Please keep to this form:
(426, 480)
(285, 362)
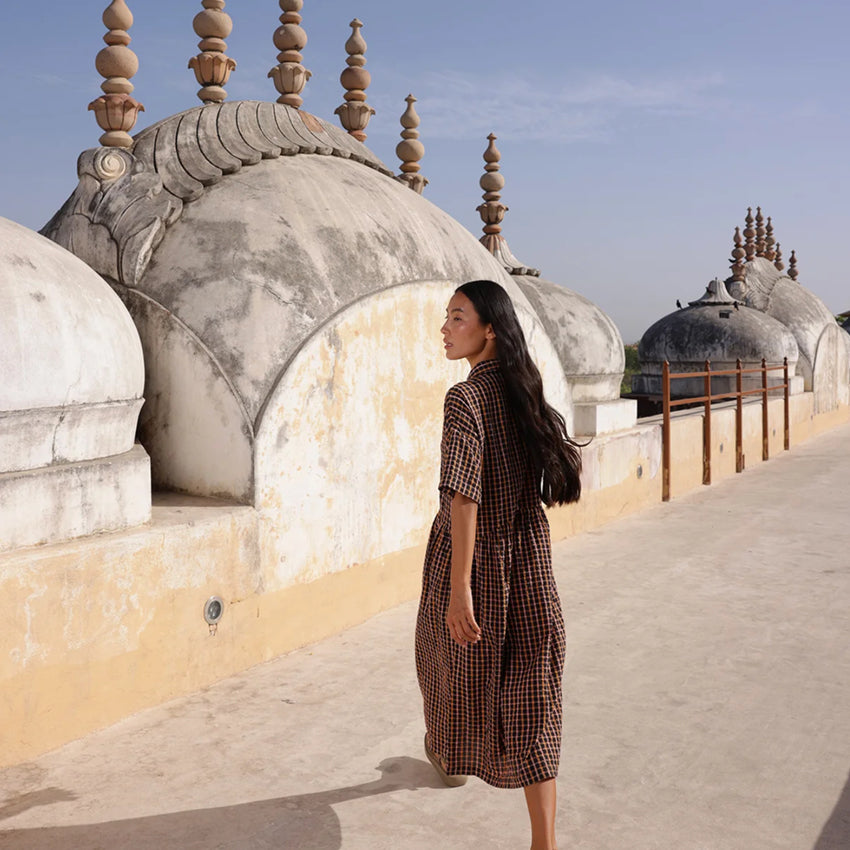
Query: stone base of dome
(32, 439)
(604, 417)
(64, 501)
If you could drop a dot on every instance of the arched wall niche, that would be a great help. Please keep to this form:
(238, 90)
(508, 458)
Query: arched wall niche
(347, 451)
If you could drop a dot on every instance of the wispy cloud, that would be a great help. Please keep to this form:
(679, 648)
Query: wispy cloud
(460, 106)
(41, 81)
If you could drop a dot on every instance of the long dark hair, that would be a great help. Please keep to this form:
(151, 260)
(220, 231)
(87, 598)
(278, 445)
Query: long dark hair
(555, 458)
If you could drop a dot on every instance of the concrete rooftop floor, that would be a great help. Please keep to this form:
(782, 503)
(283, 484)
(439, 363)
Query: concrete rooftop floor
(707, 707)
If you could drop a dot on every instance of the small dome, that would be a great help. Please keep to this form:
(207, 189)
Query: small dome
(714, 328)
(719, 334)
(70, 357)
(587, 341)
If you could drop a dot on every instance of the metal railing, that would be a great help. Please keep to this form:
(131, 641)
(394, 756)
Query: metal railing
(706, 399)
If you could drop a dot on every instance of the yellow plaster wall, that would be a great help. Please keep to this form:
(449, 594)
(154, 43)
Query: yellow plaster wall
(100, 628)
(347, 453)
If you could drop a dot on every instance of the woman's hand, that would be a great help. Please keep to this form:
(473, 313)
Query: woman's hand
(460, 618)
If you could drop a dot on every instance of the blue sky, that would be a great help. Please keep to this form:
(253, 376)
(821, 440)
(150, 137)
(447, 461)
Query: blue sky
(633, 134)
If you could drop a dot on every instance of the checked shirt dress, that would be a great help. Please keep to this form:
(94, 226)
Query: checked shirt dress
(492, 709)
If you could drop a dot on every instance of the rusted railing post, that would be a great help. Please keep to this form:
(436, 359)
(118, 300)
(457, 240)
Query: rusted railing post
(787, 404)
(706, 425)
(739, 418)
(665, 432)
(765, 442)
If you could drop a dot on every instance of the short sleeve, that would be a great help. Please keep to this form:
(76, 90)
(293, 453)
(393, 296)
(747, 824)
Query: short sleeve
(460, 450)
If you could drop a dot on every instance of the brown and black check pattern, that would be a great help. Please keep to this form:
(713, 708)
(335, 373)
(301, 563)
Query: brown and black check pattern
(493, 709)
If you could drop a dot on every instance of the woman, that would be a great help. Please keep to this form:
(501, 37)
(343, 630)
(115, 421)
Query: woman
(489, 633)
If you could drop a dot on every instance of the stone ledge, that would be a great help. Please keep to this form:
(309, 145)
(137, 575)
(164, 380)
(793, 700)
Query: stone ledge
(71, 500)
(604, 417)
(31, 439)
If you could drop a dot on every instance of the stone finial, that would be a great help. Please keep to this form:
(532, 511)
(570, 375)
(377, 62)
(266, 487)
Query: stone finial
(749, 236)
(492, 211)
(738, 254)
(778, 259)
(116, 110)
(715, 293)
(212, 68)
(792, 266)
(760, 233)
(289, 75)
(769, 241)
(355, 113)
(410, 150)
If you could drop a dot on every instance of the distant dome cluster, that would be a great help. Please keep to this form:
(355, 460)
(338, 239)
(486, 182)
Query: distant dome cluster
(717, 328)
(760, 311)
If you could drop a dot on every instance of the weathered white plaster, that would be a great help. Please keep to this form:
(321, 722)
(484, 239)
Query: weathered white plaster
(63, 501)
(604, 417)
(65, 338)
(72, 379)
(800, 310)
(194, 425)
(30, 439)
(587, 341)
(347, 454)
(831, 370)
(256, 265)
(612, 459)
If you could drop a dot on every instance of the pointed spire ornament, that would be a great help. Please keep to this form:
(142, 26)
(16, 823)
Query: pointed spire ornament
(738, 254)
(778, 259)
(492, 212)
(116, 111)
(410, 150)
(355, 113)
(769, 242)
(760, 233)
(212, 68)
(289, 75)
(792, 266)
(749, 236)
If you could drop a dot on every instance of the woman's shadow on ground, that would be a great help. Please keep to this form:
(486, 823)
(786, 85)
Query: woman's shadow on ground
(305, 821)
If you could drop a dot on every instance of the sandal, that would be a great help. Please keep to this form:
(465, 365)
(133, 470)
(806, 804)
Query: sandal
(452, 781)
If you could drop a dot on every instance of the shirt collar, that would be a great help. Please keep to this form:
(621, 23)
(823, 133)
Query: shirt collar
(483, 367)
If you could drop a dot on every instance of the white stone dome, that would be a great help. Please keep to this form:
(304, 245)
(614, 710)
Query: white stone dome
(714, 328)
(70, 357)
(824, 353)
(248, 231)
(587, 341)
